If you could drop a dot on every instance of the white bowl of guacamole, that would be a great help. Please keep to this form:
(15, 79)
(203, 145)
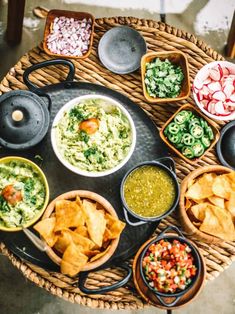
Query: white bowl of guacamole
(24, 193)
(93, 135)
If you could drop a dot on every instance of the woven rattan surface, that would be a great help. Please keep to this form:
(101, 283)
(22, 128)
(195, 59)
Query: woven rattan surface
(159, 37)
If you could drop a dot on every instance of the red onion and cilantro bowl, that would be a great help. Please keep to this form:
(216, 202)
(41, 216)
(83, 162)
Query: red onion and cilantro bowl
(169, 266)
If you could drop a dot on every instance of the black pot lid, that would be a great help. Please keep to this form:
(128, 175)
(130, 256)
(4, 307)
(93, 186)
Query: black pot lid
(24, 119)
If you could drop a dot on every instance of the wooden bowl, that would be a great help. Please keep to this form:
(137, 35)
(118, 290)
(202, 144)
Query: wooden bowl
(52, 14)
(197, 112)
(151, 298)
(177, 58)
(185, 221)
(94, 197)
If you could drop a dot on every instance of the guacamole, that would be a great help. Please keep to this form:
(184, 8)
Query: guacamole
(94, 135)
(22, 193)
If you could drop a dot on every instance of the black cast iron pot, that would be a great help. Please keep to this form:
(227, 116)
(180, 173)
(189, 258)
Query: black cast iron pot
(197, 262)
(165, 163)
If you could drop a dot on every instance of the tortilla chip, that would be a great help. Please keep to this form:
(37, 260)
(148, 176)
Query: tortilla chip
(197, 224)
(64, 240)
(199, 210)
(68, 215)
(97, 256)
(45, 228)
(78, 201)
(114, 226)
(82, 230)
(73, 260)
(217, 201)
(222, 187)
(202, 188)
(95, 222)
(230, 205)
(85, 243)
(218, 222)
(188, 204)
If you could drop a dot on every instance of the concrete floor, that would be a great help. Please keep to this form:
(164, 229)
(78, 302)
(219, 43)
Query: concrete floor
(17, 295)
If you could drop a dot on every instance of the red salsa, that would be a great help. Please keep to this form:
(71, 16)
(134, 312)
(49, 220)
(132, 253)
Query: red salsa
(168, 266)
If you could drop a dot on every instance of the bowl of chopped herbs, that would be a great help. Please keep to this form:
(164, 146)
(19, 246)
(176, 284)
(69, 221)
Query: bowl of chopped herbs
(165, 76)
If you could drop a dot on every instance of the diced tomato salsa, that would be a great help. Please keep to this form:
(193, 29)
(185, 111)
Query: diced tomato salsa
(168, 266)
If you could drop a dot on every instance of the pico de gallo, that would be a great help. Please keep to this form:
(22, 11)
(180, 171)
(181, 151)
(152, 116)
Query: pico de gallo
(168, 266)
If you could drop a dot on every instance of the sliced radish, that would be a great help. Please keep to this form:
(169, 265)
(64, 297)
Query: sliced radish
(214, 74)
(219, 95)
(225, 71)
(199, 96)
(232, 97)
(228, 90)
(214, 86)
(204, 103)
(198, 85)
(207, 81)
(219, 108)
(231, 70)
(205, 91)
(220, 71)
(211, 106)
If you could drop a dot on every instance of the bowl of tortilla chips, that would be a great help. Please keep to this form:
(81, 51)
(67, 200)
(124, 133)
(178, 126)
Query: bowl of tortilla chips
(81, 230)
(207, 204)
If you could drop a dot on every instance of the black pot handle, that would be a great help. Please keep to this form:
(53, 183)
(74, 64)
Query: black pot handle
(167, 161)
(132, 223)
(32, 87)
(174, 228)
(160, 299)
(83, 277)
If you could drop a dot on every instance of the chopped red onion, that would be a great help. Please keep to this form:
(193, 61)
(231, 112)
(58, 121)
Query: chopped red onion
(69, 37)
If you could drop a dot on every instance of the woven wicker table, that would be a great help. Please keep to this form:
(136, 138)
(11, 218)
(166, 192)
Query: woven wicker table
(159, 37)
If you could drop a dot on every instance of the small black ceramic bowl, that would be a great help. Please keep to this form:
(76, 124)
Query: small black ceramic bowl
(225, 147)
(165, 163)
(197, 262)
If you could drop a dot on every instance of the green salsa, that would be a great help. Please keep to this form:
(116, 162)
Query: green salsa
(22, 193)
(149, 191)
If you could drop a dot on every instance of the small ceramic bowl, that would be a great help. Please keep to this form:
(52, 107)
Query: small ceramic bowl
(52, 14)
(198, 113)
(202, 73)
(225, 146)
(163, 297)
(96, 198)
(69, 106)
(175, 57)
(44, 180)
(187, 224)
(168, 165)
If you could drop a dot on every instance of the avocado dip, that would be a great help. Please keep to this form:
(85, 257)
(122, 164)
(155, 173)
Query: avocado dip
(94, 135)
(22, 193)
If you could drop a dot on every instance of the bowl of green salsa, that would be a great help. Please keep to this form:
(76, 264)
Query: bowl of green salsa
(149, 191)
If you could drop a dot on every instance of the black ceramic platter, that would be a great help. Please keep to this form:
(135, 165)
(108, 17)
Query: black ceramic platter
(121, 49)
(225, 147)
(148, 147)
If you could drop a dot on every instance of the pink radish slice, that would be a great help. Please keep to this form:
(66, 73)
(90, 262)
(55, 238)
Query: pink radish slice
(230, 104)
(205, 91)
(225, 71)
(198, 85)
(207, 81)
(219, 95)
(214, 74)
(211, 106)
(232, 97)
(214, 86)
(231, 70)
(204, 103)
(219, 108)
(199, 96)
(220, 71)
(228, 90)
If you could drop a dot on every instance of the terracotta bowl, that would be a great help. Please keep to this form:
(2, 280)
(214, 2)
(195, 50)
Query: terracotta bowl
(52, 14)
(198, 113)
(175, 57)
(150, 297)
(185, 221)
(94, 197)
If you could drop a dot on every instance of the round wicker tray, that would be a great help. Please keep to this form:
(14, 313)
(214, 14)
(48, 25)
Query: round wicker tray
(159, 37)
